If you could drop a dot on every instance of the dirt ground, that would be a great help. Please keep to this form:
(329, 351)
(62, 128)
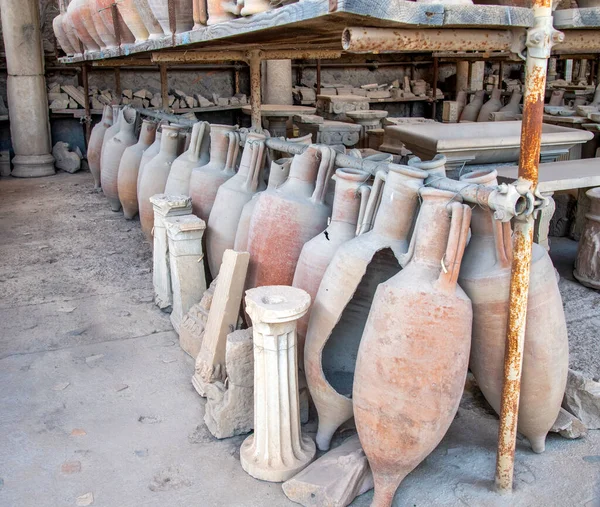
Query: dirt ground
(95, 393)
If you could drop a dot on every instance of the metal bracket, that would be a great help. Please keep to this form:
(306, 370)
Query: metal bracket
(542, 36)
(512, 200)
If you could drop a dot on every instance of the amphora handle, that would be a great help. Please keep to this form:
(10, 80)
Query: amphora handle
(457, 240)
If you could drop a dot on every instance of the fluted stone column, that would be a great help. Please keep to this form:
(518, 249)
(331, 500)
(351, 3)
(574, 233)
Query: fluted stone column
(26, 89)
(164, 206)
(186, 262)
(277, 450)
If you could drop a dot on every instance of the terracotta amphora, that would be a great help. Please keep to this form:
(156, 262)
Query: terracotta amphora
(200, 14)
(196, 155)
(205, 180)
(435, 167)
(216, 12)
(148, 155)
(289, 216)
(280, 170)
(513, 105)
(104, 8)
(113, 151)
(154, 177)
(461, 99)
(255, 7)
(414, 353)
(491, 106)
(341, 307)
(111, 132)
(230, 200)
(107, 36)
(587, 265)
(155, 31)
(184, 16)
(95, 144)
(350, 199)
(485, 277)
(81, 17)
(60, 33)
(129, 168)
(133, 19)
(69, 29)
(471, 110)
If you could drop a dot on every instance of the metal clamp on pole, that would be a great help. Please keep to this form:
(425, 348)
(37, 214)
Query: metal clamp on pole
(540, 39)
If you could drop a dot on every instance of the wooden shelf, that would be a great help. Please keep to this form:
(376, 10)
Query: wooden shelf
(318, 24)
(80, 113)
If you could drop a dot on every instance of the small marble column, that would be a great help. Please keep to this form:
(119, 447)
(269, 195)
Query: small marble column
(277, 450)
(164, 206)
(477, 75)
(186, 261)
(462, 76)
(278, 82)
(26, 89)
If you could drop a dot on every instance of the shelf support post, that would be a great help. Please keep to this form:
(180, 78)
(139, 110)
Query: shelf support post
(86, 93)
(540, 39)
(164, 86)
(254, 58)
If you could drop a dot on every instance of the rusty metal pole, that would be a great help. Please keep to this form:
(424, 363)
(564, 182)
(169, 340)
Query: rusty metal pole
(318, 77)
(164, 86)
(540, 39)
(434, 86)
(255, 99)
(86, 94)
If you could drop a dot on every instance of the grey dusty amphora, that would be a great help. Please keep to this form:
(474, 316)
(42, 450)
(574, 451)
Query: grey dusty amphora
(485, 277)
(95, 145)
(113, 151)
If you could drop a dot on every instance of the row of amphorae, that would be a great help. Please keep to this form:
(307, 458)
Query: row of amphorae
(405, 300)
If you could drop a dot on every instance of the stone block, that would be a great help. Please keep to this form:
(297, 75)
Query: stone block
(450, 111)
(65, 159)
(73, 104)
(568, 426)
(141, 94)
(191, 332)
(334, 480)
(127, 93)
(59, 104)
(156, 100)
(57, 96)
(229, 407)
(582, 399)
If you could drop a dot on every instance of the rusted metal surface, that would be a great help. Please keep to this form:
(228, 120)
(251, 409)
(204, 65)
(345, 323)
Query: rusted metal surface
(244, 56)
(539, 43)
(579, 41)
(164, 86)
(86, 93)
(123, 62)
(255, 91)
(394, 40)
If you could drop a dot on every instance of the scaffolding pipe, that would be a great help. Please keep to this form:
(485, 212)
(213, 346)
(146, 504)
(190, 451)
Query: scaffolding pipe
(540, 39)
(397, 40)
(255, 91)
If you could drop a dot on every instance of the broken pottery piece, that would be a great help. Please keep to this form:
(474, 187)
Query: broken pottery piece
(582, 399)
(568, 426)
(277, 450)
(113, 152)
(229, 408)
(485, 277)
(419, 349)
(196, 155)
(351, 195)
(289, 216)
(186, 264)
(129, 168)
(222, 320)
(205, 180)
(334, 480)
(587, 265)
(340, 309)
(154, 176)
(231, 198)
(193, 326)
(164, 206)
(69, 161)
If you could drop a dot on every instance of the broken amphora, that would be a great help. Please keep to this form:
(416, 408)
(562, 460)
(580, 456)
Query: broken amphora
(350, 199)
(206, 179)
(288, 217)
(154, 177)
(95, 144)
(129, 168)
(471, 110)
(231, 198)
(196, 155)
(414, 353)
(113, 151)
(491, 106)
(485, 277)
(341, 307)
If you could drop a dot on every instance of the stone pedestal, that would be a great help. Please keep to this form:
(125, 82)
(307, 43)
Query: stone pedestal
(477, 75)
(587, 265)
(368, 120)
(335, 107)
(186, 262)
(26, 89)
(328, 131)
(277, 450)
(278, 83)
(164, 206)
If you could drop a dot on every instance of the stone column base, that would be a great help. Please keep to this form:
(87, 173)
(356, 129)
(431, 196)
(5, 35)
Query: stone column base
(33, 166)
